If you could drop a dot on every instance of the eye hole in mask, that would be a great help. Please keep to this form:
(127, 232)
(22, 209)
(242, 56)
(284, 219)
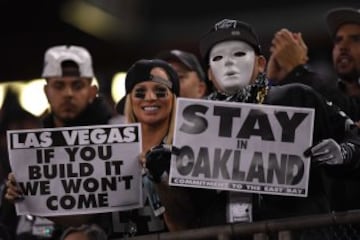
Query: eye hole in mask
(160, 92)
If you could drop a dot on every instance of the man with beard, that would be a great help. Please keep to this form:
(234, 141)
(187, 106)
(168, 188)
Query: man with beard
(287, 63)
(344, 27)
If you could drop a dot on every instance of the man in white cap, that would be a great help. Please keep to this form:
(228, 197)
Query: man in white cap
(72, 97)
(74, 101)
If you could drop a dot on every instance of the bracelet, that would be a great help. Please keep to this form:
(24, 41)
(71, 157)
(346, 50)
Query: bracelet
(347, 150)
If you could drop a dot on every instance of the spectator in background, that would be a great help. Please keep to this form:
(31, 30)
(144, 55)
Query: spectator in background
(74, 101)
(288, 61)
(344, 28)
(84, 232)
(193, 81)
(288, 64)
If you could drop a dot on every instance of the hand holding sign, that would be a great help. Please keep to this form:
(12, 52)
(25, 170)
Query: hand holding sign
(158, 160)
(80, 170)
(242, 147)
(13, 192)
(328, 152)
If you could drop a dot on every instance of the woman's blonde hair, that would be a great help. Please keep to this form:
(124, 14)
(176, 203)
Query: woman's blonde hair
(131, 118)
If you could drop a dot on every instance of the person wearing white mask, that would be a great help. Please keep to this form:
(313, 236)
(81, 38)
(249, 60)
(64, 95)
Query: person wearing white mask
(236, 67)
(232, 63)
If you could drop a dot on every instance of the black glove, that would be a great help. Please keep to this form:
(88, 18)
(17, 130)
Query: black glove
(158, 161)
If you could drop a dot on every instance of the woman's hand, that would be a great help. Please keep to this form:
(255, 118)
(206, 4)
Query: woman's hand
(158, 161)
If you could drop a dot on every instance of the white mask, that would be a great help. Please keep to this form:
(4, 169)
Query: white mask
(232, 64)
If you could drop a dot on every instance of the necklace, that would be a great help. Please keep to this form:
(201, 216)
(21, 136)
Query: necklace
(255, 93)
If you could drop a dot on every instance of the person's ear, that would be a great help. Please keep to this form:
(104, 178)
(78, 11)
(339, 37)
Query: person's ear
(261, 63)
(259, 67)
(202, 89)
(93, 93)
(46, 91)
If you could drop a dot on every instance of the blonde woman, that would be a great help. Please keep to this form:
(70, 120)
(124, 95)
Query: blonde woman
(151, 90)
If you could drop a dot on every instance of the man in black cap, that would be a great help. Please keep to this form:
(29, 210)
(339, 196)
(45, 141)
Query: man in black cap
(344, 28)
(232, 51)
(289, 57)
(288, 65)
(193, 83)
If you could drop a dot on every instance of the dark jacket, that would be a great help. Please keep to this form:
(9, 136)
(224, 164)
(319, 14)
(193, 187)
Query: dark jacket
(344, 191)
(329, 88)
(97, 113)
(329, 123)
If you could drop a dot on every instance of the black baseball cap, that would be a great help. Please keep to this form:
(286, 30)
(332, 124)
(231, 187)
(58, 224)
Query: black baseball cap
(228, 29)
(189, 60)
(339, 16)
(140, 72)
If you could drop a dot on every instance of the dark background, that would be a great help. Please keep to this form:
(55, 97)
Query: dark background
(141, 28)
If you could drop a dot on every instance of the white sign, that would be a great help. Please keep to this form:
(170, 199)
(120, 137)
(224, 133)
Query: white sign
(77, 170)
(242, 147)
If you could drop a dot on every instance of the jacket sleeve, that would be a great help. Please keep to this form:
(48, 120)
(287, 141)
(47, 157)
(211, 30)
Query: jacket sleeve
(327, 88)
